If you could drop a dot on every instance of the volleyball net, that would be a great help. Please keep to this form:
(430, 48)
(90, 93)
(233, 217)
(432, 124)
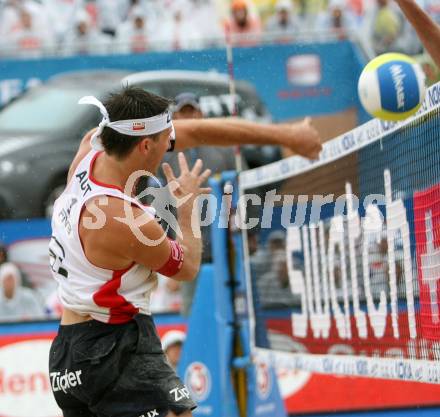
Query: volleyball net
(342, 254)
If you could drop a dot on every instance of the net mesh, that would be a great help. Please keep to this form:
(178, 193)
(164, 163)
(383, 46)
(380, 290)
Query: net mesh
(343, 265)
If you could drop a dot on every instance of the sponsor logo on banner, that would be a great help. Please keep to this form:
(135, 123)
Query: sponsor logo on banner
(24, 380)
(198, 380)
(304, 70)
(264, 380)
(427, 232)
(318, 290)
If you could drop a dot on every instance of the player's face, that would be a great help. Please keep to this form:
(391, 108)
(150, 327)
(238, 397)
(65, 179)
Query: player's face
(157, 149)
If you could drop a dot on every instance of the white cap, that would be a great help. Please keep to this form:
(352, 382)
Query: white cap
(8, 268)
(283, 5)
(172, 337)
(137, 11)
(83, 17)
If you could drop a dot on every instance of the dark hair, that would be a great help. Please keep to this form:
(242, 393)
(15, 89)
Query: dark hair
(129, 103)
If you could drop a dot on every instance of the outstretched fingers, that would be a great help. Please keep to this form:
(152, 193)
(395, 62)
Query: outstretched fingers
(183, 164)
(197, 168)
(168, 171)
(204, 176)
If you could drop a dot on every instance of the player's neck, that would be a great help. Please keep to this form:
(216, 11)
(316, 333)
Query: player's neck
(112, 171)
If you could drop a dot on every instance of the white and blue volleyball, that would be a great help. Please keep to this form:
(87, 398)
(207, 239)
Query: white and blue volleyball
(392, 87)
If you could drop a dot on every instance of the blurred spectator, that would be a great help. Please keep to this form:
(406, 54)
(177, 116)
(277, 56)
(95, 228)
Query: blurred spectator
(84, 39)
(430, 69)
(184, 32)
(383, 27)
(357, 8)
(3, 253)
(244, 28)
(62, 16)
(336, 19)
(274, 287)
(30, 37)
(284, 24)
(205, 18)
(432, 7)
(134, 34)
(261, 255)
(172, 342)
(310, 10)
(166, 297)
(110, 14)
(17, 302)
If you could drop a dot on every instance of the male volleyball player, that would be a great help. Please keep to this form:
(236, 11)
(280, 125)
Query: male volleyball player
(426, 28)
(107, 360)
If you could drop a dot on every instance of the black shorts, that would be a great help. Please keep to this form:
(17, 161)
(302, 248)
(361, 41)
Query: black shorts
(114, 370)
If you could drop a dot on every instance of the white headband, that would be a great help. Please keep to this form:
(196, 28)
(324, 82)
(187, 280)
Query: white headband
(135, 127)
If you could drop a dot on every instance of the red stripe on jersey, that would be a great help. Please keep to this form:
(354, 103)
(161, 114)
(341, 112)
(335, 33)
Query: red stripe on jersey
(121, 311)
(97, 182)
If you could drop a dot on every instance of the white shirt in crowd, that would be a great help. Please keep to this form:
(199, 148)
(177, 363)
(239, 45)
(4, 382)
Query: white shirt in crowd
(136, 35)
(111, 13)
(84, 39)
(180, 31)
(62, 15)
(25, 31)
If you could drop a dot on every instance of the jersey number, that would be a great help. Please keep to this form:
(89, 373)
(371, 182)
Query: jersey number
(56, 256)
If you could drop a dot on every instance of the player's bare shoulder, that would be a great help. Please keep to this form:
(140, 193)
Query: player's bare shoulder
(113, 232)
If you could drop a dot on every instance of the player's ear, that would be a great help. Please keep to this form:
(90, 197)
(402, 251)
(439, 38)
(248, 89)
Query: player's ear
(144, 145)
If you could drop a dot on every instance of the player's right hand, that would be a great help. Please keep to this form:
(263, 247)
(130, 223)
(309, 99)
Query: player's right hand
(302, 138)
(188, 185)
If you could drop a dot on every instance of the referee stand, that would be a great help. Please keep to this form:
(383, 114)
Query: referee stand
(216, 363)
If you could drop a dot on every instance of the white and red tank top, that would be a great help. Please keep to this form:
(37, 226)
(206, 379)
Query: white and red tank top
(106, 295)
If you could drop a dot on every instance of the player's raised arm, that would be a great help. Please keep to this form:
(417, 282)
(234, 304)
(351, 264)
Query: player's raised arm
(142, 240)
(426, 28)
(83, 149)
(301, 137)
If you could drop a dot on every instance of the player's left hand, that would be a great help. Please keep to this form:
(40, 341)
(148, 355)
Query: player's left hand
(302, 138)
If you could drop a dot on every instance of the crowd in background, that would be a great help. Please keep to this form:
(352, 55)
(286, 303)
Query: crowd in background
(34, 28)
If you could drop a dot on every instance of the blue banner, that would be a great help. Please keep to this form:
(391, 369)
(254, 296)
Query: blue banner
(292, 80)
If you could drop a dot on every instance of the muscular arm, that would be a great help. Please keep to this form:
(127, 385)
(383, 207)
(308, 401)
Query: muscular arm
(300, 137)
(115, 233)
(426, 28)
(83, 150)
(119, 241)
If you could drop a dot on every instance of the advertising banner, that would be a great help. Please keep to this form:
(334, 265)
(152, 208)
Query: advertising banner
(24, 354)
(298, 80)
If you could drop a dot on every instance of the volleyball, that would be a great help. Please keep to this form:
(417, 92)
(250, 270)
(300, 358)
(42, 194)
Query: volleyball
(392, 87)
